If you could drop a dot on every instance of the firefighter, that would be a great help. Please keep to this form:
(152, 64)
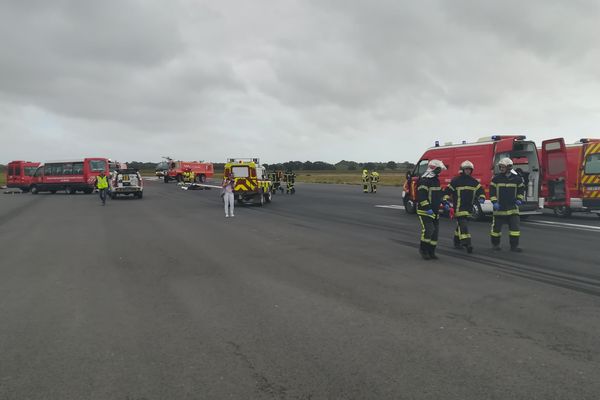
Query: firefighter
(102, 185)
(464, 190)
(374, 181)
(290, 179)
(188, 176)
(366, 180)
(507, 192)
(429, 198)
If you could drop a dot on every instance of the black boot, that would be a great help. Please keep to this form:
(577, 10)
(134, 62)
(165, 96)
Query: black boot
(424, 251)
(514, 244)
(432, 252)
(457, 244)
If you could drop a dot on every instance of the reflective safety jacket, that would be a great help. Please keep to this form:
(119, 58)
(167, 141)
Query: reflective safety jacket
(464, 190)
(506, 190)
(375, 177)
(365, 176)
(429, 196)
(101, 182)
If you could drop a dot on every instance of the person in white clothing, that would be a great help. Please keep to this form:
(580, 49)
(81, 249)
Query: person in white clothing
(228, 198)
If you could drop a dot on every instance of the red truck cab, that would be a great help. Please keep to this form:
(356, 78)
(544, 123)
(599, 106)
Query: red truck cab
(19, 174)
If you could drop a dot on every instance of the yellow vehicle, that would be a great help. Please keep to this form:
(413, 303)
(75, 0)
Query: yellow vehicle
(252, 183)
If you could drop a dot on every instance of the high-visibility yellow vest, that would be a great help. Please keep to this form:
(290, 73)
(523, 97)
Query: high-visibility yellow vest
(102, 182)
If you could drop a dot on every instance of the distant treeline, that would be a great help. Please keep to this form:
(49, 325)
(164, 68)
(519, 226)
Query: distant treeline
(310, 166)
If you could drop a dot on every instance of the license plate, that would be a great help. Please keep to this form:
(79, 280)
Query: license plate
(593, 188)
(125, 177)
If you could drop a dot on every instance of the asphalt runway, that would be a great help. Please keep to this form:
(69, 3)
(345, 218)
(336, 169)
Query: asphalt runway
(319, 295)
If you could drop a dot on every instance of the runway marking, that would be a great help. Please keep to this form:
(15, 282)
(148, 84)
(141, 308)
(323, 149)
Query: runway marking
(392, 206)
(567, 225)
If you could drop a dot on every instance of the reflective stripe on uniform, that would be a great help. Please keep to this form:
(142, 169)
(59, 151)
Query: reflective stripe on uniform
(509, 212)
(514, 233)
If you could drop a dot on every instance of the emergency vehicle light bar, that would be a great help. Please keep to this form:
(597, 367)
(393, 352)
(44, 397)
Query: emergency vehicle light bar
(498, 137)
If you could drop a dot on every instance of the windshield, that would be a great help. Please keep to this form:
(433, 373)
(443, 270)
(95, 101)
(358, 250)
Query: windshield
(240, 172)
(97, 165)
(29, 171)
(161, 166)
(592, 164)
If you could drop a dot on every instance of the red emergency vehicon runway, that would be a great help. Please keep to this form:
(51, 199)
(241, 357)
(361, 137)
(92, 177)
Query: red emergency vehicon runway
(19, 174)
(485, 154)
(572, 176)
(70, 175)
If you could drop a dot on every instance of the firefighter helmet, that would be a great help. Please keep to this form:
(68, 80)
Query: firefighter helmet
(507, 162)
(434, 164)
(466, 165)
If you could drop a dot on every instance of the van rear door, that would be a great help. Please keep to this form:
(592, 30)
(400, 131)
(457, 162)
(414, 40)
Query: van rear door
(555, 172)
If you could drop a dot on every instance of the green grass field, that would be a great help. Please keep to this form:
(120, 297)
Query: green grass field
(2, 177)
(386, 178)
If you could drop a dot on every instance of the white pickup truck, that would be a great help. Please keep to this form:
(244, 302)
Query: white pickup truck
(125, 182)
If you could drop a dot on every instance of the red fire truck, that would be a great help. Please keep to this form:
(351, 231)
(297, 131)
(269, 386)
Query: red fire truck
(201, 170)
(572, 173)
(19, 174)
(70, 175)
(485, 154)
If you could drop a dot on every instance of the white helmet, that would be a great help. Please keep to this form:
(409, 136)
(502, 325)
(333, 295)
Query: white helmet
(433, 164)
(507, 162)
(466, 165)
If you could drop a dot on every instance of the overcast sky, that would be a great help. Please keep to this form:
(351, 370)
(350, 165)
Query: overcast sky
(286, 80)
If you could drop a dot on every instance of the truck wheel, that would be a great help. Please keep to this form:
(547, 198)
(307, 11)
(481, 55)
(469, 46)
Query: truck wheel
(113, 196)
(200, 178)
(166, 179)
(261, 199)
(179, 178)
(53, 191)
(562, 211)
(409, 206)
(69, 190)
(34, 190)
(88, 191)
(268, 197)
(140, 195)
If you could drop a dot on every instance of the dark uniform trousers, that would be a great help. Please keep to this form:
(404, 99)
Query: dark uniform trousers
(430, 227)
(514, 231)
(462, 237)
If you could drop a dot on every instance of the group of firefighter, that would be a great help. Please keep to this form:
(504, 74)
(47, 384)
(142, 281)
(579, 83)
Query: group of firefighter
(507, 192)
(279, 178)
(369, 181)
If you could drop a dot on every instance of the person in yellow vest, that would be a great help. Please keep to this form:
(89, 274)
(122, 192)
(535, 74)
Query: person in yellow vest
(374, 181)
(102, 185)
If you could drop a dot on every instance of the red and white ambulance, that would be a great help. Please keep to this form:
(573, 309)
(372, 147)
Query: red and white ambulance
(19, 174)
(484, 154)
(70, 175)
(572, 174)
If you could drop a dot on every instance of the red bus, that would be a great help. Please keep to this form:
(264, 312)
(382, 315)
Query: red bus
(19, 174)
(70, 176)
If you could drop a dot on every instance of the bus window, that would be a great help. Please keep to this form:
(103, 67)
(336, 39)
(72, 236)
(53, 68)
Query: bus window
(68, 169)
(38, 171)
(17, 171)
(78, 168)
(48, 170)
(97, 165)
(592, 164)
